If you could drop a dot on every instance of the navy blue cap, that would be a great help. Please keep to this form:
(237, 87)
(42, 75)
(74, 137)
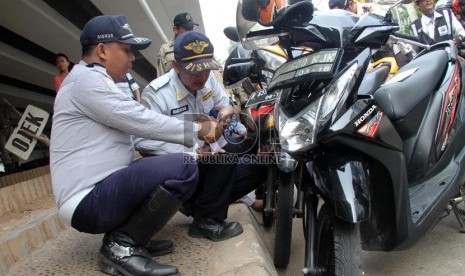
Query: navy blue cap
(185, 21)
(111, 28)
(193, 51)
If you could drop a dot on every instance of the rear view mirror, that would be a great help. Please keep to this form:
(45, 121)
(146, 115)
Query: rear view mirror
(231, 33)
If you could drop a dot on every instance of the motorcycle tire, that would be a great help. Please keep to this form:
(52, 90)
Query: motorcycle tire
(338, 245)
(283, 220)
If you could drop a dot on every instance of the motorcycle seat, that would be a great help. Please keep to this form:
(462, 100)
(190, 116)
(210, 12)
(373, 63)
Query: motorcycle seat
(373, 79)
(398, 98)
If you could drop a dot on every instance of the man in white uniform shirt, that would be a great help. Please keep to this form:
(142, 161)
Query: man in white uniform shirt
(186, 91)
(435, 26)
(97, 185)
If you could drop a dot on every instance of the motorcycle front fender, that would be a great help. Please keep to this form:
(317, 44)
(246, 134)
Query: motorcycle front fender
(344, 184)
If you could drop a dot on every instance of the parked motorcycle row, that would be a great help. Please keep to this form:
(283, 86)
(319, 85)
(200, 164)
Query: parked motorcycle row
(374, 158)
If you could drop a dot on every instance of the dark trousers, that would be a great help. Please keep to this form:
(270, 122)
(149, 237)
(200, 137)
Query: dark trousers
(249, 177)
(116, 197)
(222, 184)
(216, 181)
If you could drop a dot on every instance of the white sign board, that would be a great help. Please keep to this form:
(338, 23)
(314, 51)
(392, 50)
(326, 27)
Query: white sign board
(33, 121)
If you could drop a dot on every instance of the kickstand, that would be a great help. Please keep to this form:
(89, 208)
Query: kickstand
(459, 213)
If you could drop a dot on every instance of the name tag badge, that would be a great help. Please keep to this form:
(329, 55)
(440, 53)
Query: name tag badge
(179, 110)
(442, 30)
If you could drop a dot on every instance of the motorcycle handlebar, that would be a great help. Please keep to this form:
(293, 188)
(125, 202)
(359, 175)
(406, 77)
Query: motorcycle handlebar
(241, 60)
(406, 36)
(238, 62)
(413, 40)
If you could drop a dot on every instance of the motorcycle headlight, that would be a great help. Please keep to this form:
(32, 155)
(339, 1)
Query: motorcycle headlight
(299, 132)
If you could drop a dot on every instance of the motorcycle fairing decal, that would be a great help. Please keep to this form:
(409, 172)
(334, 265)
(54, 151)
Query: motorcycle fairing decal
(449, 109)
(371, 127)
(365, 115)
(401, 76)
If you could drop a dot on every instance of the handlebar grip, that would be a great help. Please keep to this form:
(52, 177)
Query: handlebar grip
(406, 36)
(241, 60)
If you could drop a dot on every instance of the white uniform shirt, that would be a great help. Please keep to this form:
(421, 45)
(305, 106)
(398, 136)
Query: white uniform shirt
(428, 27)
(167, 95)
(91, 134)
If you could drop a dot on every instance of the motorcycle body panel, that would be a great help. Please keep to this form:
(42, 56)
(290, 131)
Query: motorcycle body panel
(344, 183)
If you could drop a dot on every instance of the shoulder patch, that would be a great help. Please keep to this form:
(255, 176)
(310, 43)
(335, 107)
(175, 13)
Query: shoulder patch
(158, 83)
(110, 83)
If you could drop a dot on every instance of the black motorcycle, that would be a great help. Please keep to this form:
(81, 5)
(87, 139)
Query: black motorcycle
(386, 157)
(258, 66)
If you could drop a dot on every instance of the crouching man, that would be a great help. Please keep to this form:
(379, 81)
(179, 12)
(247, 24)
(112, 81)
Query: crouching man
(97, 185)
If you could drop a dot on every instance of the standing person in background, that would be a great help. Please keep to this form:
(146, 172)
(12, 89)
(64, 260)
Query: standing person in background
(435, 26)
(63, 64)
(97, 185)
(182, 22)
(130, 87)
(356, 8)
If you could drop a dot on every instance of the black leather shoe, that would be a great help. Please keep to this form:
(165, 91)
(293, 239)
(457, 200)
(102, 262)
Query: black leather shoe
(214, 230)
(159, 248)
(118, 255)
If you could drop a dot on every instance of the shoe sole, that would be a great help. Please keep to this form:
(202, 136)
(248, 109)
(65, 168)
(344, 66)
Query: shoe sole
(198, 234)
(111, 268)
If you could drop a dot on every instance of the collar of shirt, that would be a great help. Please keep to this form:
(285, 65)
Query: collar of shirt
(428, 23)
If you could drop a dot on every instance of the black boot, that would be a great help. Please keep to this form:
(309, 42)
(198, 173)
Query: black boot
(118, 255)
(159, 248)
(214, 230)
(124, 250)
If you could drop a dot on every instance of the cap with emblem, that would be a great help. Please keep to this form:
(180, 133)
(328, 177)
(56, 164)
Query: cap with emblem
(185, 21)
(111, 28)
(193, 51)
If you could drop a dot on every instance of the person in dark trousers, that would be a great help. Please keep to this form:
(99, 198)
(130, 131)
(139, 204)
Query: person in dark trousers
(189, 90)
(97, 185)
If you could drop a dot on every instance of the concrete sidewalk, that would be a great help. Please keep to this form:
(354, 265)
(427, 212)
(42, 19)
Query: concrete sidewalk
(75, 253)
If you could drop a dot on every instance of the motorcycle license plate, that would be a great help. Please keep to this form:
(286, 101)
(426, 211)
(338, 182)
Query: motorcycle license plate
(318, 64)
(261, 96)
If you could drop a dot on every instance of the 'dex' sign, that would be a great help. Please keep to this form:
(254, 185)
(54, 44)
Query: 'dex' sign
(33, 121)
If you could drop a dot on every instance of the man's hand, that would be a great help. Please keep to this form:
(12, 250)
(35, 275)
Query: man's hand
(209, 131)
(207, 151)
(204, 118)
(225, 116)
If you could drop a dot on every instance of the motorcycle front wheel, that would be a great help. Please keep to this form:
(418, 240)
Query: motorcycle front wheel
(283, 221)
(338, 245)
